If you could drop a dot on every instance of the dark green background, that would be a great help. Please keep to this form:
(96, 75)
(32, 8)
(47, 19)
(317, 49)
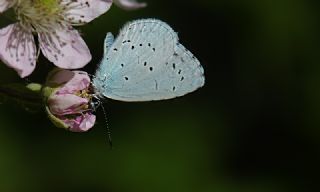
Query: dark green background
(254, 126)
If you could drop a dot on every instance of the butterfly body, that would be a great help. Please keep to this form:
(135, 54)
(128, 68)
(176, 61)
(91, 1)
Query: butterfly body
(146, 62)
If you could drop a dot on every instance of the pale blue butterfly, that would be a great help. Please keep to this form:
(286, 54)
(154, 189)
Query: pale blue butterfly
(146, 62)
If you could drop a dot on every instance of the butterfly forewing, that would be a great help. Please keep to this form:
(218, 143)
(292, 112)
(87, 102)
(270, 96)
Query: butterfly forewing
(146, 62)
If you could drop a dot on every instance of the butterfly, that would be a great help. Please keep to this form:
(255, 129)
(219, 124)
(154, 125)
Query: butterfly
(146, 62)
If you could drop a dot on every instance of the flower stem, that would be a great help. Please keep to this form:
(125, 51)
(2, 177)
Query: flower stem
(25, 96)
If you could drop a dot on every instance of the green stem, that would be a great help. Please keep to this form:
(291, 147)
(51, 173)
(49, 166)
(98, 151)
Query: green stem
(22, 95)
(16, 95)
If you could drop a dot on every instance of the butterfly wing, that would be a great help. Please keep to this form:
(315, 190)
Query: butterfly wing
(146, 62)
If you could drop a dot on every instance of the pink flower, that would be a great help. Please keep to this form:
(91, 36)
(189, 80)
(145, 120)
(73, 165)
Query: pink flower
(129, 4)
(52, 21)
(68, 100)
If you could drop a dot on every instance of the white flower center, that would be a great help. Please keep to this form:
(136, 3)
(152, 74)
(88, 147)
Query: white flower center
(41, 15)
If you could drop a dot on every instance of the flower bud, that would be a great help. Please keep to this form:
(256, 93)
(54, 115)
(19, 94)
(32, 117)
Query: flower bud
(67, 100)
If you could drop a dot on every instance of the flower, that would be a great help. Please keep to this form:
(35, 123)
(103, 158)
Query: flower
(129, 4)
(52, 21)
(67, 99)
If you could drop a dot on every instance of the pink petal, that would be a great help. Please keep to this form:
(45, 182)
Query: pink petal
(84, 11)
(65, 48)
(129, 4)
(18, 49)
(81, 123)
(66, 104)
(59, 76)
(4, 5)
(79, 81)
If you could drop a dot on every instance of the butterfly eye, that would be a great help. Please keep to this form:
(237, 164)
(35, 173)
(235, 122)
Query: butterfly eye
(94, 103)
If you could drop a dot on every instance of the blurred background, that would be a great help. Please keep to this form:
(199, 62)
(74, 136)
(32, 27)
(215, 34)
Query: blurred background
(254, 126)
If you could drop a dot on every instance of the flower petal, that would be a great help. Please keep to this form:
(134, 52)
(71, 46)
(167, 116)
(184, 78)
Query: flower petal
(79, 81)
(84, 11)
(58, 76)
(4, 5)
(65, 48)
(18, 49)
(129, 4)
(66, 104)
(81, 123)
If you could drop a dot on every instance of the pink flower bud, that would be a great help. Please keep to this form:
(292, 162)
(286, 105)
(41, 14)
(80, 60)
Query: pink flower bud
(68, 100)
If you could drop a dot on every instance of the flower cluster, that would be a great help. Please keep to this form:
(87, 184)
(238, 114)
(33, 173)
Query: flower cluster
(51, 21)
(66, 93)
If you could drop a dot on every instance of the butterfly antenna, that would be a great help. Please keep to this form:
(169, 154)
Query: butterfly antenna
(108, 128)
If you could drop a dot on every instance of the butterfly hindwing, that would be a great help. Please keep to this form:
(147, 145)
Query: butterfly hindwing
(146, 62)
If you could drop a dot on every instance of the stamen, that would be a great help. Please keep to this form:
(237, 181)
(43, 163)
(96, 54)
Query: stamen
(42, 15)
